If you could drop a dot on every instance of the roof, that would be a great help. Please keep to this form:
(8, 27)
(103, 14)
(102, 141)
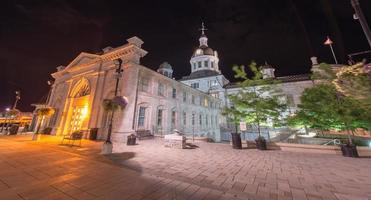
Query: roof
(165, 65)
(200, 74)
(282, 79)
(205, 50)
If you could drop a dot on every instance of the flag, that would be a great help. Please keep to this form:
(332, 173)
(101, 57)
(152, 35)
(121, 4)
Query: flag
(328, 41)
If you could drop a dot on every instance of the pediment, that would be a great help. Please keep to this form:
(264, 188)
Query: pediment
(81, 60)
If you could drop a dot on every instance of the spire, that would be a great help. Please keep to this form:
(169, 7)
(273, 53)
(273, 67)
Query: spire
(203, 29)
(203, 38)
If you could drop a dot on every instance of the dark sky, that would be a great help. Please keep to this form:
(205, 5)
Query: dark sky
(37, 36)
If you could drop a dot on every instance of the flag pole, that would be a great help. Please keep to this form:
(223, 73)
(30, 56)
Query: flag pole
(333, 54)
(329, 43)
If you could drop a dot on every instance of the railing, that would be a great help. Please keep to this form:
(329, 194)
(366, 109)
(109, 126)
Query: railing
(334, 141)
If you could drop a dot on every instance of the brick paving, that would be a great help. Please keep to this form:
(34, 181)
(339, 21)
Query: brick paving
(47, 170)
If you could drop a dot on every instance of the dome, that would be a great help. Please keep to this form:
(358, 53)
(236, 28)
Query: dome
(203, 50)
(165, 65)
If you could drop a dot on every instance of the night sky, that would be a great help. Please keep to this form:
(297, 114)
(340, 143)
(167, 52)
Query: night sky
(37, 36)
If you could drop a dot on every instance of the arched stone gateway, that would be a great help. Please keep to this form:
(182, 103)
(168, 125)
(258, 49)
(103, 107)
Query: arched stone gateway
(78, 112)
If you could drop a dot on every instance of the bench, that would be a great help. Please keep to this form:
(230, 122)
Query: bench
(73, 137)
(144, 134)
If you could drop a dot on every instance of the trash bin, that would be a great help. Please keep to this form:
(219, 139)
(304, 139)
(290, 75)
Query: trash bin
(93, 134)
(131, 139)
(13, 130)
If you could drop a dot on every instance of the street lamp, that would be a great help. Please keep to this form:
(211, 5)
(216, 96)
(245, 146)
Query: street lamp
(362, 20)
(119, 71)
(17, 98)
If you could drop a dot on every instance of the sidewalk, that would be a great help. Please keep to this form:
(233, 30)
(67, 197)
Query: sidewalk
(47, 170)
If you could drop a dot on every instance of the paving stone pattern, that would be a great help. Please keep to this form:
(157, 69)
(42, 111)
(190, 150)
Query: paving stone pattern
(46, 170)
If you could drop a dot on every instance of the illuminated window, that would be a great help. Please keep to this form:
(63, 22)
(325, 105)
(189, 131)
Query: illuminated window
(141, 117)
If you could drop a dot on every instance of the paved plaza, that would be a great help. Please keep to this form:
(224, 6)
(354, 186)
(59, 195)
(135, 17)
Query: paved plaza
(47, 170)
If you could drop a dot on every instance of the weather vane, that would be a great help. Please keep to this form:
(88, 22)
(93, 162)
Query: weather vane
(203, 29)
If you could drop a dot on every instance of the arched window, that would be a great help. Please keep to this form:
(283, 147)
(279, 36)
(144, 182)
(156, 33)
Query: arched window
(81, 88)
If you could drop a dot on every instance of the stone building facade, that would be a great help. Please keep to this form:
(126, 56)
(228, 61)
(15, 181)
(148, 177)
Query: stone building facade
(155, 100)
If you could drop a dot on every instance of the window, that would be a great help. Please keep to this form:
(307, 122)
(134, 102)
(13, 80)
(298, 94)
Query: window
(160, 90)
(206, 63)
(214, 83)
(216, 95)
(173, 118)
(194, 66)
(184, 118)
(200, 119)
(193, 119)
(174, 93)
(143, 85)
(212, 64)
(159, 117)
(212, 121)
(199, 63)
(195, 85)
(193, 99)
(206, 102)
(184, 97)
(141, 116)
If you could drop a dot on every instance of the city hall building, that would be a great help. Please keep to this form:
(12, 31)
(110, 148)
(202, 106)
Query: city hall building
(156, 102)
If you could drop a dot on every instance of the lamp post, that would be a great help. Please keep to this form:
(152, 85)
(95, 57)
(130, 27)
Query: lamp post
(362, 20)
(119, 71)
(17, 97)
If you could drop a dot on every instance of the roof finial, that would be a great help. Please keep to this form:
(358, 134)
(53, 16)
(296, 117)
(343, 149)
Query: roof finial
(203, 28)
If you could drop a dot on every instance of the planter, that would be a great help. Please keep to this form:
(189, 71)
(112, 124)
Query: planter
(236, 141)
(261, 143)
(131, 139)
(349, 150)
(106, 148)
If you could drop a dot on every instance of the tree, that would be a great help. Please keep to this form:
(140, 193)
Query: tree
(322, 107)
(353, 90)
(258, 101)
(351, 81)
(42, 113)
(233, 115)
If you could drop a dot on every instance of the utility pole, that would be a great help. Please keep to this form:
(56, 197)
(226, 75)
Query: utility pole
(362, 20)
